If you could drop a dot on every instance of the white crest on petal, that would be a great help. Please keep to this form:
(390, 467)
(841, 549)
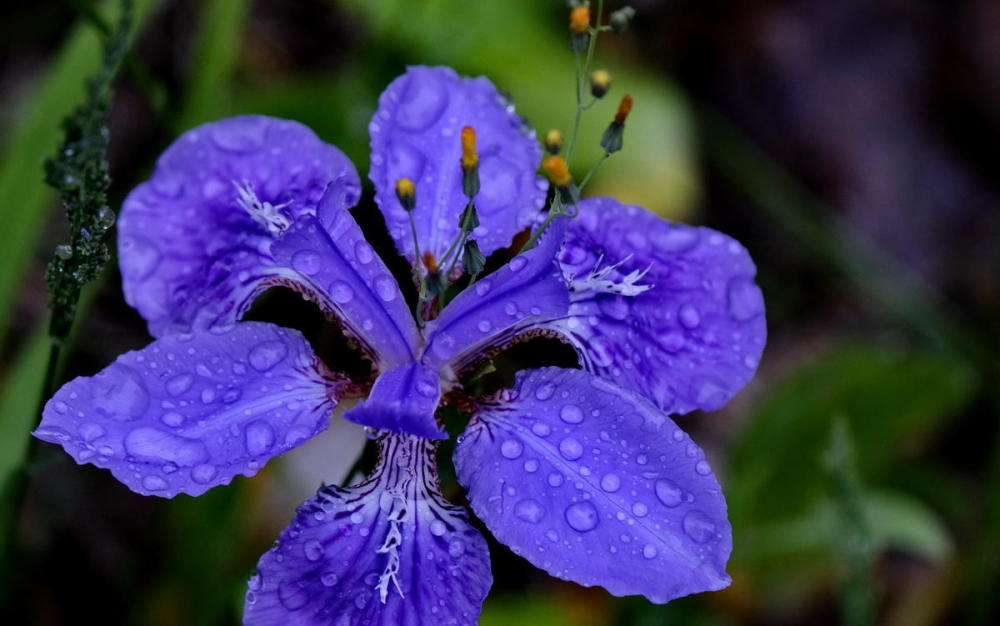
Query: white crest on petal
(266, 214)
(598, 281)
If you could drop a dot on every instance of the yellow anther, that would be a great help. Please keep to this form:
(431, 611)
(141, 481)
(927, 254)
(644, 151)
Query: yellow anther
(470, 159)
(600, 83)
(579, 20)
(406, 192)
(624, 108)
(556, 169)
(553, 141)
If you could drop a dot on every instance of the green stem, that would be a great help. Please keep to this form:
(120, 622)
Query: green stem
(581, 74)
(420, 275)
(593, 169)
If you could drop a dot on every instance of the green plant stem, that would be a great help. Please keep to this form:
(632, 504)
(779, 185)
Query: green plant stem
(581, 75)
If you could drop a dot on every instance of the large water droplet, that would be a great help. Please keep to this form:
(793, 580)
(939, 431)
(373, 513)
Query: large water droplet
(668, 492)
(119, 393)
(341, 292)
(307, 262)
(545, 391)
(179, 384)
(582, 516)
(266, 355)
(570, 449)
(649, 551)
(511, 449)
(90, 431)
(529, 510)
(386, 288)
(154, 483)
(611, 482)
(702, 468)
(203, 474)
(517, 263)
(571, 414)
(438, 528)
(698, 526)
(364, 252)
(541, 429)
(313, 550)
(689, 316)
(259, 437)
(160, 446)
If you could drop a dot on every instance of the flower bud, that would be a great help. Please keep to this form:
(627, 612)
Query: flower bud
(621, 19)
(624, 108)
(612, 139)
(553, 141)
(472, 258)
(556, 169)
(579, 19)
(470, 163)
(406, 192)
(600, 83)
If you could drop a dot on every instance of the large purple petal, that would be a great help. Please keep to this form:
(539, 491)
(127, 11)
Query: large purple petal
(594, 484)
(694, 338)
(189, 412)
(516, 298)
(340, 271)
(415, 135)
(390, 551)
(403, 400)
(190, 254)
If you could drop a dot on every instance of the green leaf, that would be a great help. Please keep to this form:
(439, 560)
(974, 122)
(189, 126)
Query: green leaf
(893, 402)
(18, 413)
(215, 53)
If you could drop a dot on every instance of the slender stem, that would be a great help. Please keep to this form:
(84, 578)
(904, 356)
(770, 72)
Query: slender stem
(554, 212)
(586, 179)
(581, 74)
(420, 274)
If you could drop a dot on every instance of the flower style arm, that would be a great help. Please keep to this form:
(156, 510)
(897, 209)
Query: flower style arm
(668, 310)
(389, 551)
(519, 297)
(594, 484)
(191, 411)
(415, 135)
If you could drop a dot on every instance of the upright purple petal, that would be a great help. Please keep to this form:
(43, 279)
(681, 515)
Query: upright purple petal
(190, 254)
(594, 484)
(528, 290)
(338, 269)
(388, 552)
(189, 412)
(688, 333)
(415, 135)
(403, 400)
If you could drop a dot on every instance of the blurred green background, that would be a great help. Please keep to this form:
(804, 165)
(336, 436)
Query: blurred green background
(849, 144)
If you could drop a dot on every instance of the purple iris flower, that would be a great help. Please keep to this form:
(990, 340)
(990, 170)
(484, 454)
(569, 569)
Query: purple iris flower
(580, 471)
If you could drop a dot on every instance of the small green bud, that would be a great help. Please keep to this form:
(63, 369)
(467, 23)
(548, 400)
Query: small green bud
(621, 19)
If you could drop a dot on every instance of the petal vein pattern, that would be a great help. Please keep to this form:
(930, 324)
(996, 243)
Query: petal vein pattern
(594, 484)
(389, 551)
(189, 412)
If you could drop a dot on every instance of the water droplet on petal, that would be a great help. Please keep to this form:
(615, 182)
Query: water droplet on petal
(203, 474)
(438, 528)
(610, 482)
(364, 252)
(689, 316)
(571, 414)
(179, 384)
(341, 292)
(259, 437)
(698, 526)
(307, 262)
(313, 550)
(511, 449)
(386, 288)
(570, 449)
(529, 510)
(266, 355)
(582, 516)
(649, 551)
(292, 596)
(541, 429)
(545, 391)
(154, 483)
(702, 468)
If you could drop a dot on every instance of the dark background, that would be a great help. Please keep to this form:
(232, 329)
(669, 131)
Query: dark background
(849, 144)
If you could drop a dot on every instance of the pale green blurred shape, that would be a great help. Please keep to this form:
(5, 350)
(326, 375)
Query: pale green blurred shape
(522, 46)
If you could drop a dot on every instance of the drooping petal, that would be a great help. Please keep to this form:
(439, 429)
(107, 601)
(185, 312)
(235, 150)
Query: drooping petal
(688, 333)
(516, 298)
(403, 399)
(191, 254)
(336, 267)
(415, 135)
(189, 412)
(388, 552)
(594, 484)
